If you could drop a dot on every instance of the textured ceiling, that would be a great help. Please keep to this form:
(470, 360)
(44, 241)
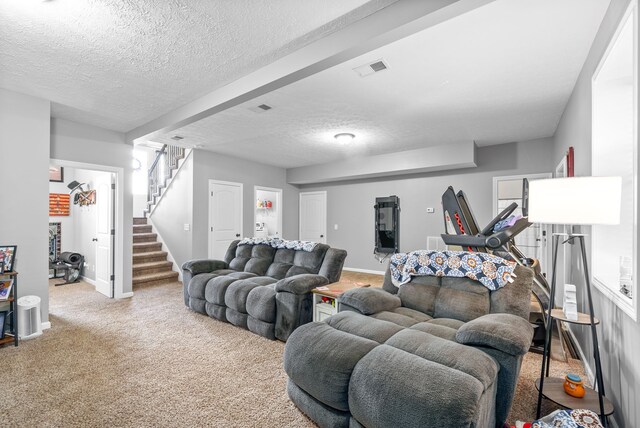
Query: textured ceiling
(120, 63)
(500, 73)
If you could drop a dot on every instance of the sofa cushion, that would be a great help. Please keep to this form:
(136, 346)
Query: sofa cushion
(363, 326)
(467, 359)
(198, 284)
(394, 388)
(411, 313)
(420, 294)
(396, 318)
(261, 302)
(436, 330)
(278, 270)
(310, 260)
(223, 271)
(320, 360)
(236, 295)
(462, 299)
(217, 287)
(448, 322)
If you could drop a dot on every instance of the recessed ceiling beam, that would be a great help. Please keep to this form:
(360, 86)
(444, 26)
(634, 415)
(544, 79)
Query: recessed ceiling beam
(429, 159)
(385, 26)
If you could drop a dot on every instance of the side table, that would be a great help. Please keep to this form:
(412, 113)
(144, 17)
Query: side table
(324, 308)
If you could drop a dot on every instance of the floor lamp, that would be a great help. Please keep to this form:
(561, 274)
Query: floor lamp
(575, 201)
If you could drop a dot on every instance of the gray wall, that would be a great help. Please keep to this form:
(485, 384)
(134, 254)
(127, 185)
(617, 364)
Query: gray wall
(618, 334)
(208, 165)
(350, 204)
(82, 143)
(24, 150)
(174, 211)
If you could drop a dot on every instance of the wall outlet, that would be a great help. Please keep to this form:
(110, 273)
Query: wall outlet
(431, 210)
(187, 227)
(335, 226)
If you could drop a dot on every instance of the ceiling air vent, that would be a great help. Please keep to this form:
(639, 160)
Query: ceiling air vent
(261, 108)
(371, 68)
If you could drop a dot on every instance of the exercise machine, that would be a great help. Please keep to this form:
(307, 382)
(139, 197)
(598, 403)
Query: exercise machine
(497, 237)
(71, 266)
(462, 230)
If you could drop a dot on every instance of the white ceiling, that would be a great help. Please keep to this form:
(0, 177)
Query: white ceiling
(121, 63)
(500, 73)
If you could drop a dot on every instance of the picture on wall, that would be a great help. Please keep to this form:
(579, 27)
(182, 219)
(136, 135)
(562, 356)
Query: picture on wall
(7, 257)
(58, 204)
(56, 174)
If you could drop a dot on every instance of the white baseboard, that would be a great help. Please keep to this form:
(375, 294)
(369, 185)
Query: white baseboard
(374, 272)
(125, 295)
(46, 325)
(88, 281)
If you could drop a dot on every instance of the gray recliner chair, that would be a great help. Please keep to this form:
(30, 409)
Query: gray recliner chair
(261, 288)
(437, 352)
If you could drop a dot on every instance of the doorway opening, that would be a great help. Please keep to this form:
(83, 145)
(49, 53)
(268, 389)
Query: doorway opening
(267, 215)
(85, 226)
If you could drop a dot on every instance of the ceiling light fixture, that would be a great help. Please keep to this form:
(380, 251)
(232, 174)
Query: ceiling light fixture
(344, 137)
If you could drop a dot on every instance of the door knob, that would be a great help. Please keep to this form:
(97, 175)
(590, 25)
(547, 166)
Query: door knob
(322, 236)
(95, 239)
(237, 235)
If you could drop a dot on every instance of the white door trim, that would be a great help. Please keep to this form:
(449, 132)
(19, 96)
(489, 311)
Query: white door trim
(318, 192)
(118, 221)
(279, 204)
(210, 205)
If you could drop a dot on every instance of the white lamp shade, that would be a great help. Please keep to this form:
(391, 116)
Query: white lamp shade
(575, 200)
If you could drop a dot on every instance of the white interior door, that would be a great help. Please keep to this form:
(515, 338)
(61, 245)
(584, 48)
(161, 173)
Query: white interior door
(313, 216)
(104, 233)
(225, 216)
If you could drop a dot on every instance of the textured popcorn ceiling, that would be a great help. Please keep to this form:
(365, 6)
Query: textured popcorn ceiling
(120, 63)
(501, 73)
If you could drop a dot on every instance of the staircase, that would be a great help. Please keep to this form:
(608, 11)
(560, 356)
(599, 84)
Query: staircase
(161, 173)
(150, 264)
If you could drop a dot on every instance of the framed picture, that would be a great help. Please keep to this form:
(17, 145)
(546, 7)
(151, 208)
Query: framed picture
(3, 317)
(8, 257)
(56, 174)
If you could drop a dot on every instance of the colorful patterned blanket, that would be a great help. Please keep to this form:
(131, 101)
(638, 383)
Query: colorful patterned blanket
(280, 243)
(491, 271)
(579, 418)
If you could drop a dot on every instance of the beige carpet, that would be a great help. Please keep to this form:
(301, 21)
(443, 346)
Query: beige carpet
(149, 361)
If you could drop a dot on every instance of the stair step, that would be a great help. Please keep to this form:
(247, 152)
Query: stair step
(145, 247)
(151, 267)
(139, 220)
(151, 256)
(144, 237)
(156, 278)
(142, 228)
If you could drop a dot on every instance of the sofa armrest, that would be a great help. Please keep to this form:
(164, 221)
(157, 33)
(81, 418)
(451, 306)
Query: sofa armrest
(505, 332)
(203, 266)
(301, 284)
(369, 300)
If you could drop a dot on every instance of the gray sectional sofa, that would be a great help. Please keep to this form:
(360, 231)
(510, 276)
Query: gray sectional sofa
(261, 288)
(437, 352)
